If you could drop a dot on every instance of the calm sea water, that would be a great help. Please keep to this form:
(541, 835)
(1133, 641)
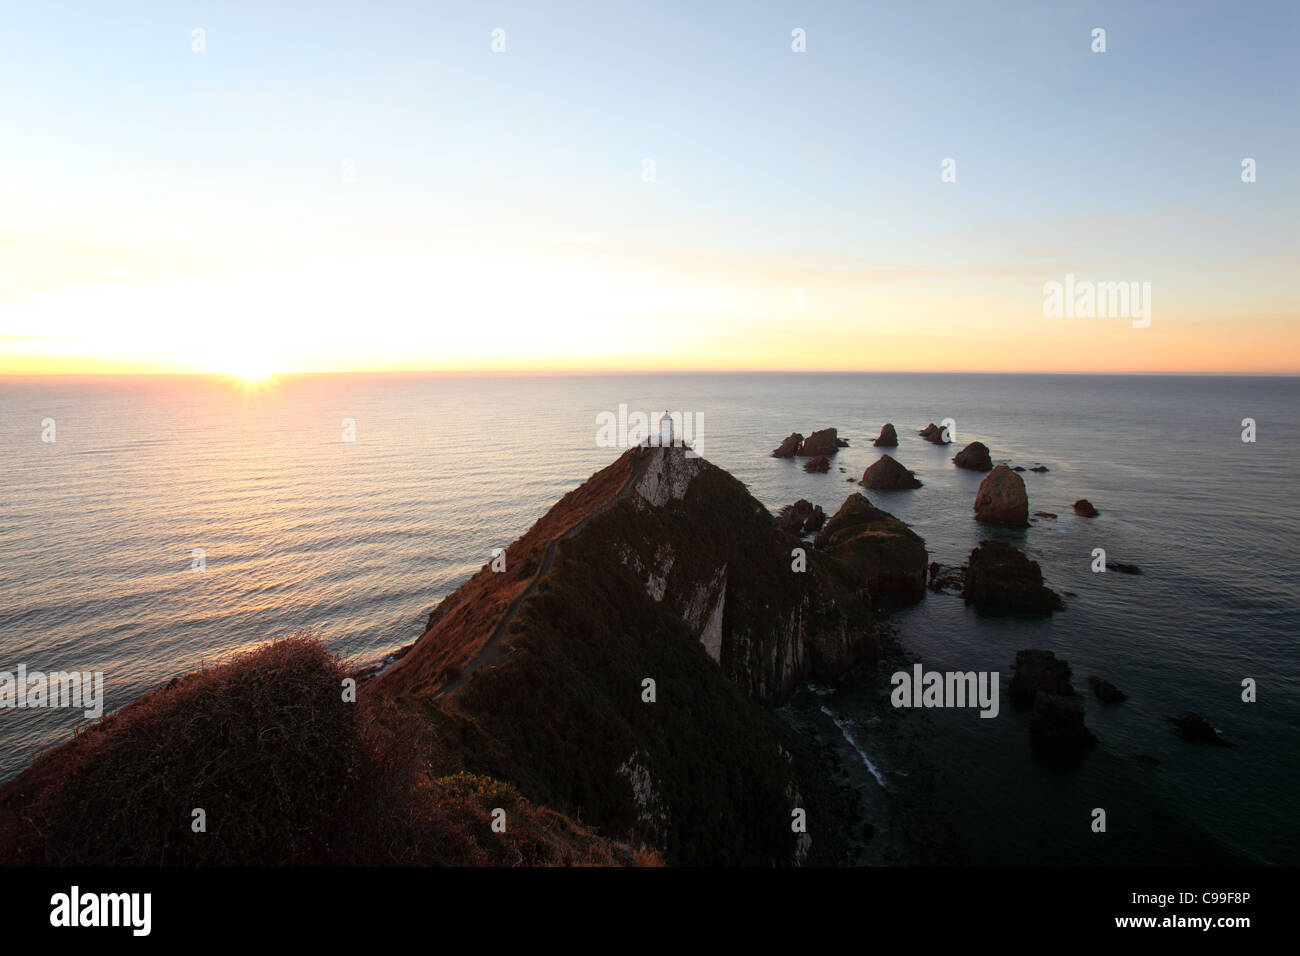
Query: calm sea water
(359, 539)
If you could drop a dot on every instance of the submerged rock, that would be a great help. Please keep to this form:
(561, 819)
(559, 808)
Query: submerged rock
(879, 551)
(1123, 568)
(819, 465)
(1106, 692)
(1194, 727)
(1039, 468)
(886, 474)
(888, 437)
(974, 457)
(1002, 499)
(1083, 507)
(946, 577)
(1000, 578)
(1044, 514)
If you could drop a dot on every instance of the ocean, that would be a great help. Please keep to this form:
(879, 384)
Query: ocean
(295, 526)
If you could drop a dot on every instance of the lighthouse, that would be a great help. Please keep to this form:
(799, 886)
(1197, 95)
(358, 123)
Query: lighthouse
(666, 430)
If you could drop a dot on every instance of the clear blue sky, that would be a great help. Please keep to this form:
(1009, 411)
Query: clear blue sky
(129, 161)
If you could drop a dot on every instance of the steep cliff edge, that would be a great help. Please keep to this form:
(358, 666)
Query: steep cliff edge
(683, 579)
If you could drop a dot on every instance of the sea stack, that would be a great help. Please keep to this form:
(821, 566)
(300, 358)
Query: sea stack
(789, 447)
(1002, 500)
(1084, 509)
(888, 475)
(974, 457)
(888, 437)
(934, 434)
(823, 442)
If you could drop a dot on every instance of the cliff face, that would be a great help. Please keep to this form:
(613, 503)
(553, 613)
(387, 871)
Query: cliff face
(681, 578)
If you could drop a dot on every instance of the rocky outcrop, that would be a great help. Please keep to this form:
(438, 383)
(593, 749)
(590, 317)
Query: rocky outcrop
(1040, 469)
(1106, 692)
(1002, 499)
(1084, 509)
(1042, 683)
(825, 442)
(1038, 671)
(1000, 579)
(789, 447)
(935, 434)
(886, 474)
(879, 553)
(888, 437)
(817, 466)
(802, 517)
(946, 577)
(975, 457)
(1196, 728)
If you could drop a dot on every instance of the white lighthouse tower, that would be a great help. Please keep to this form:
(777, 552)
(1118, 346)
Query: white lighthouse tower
(666, 430)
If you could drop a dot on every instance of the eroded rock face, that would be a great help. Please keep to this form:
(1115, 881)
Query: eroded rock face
(819, 465)
(800, 518)
(880, 552)
(789, 447)
(888, 437)
(1002, 499)
(974, 457)
(1084, 509)
(667, 475)
(824, 442)
(886, 474)
(999, 579)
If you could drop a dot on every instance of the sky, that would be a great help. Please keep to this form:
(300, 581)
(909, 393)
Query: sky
(328, 186)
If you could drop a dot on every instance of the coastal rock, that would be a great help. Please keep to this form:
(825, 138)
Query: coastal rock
(819, 465)
(1002, 499)
(789, 447)
(1122, 568)
(935, 434)
(886, 474)
(974, 457)
(1084, 509)
(946, 577)
(880, 552)
(1039, 671)
(888, 437)
(800, 518)
(1106, 692)
(824, 442)
(1018, 468)
(999, 578)
(1039, 468)
(1044, 514)
(1057, 724)
(1194, 727)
